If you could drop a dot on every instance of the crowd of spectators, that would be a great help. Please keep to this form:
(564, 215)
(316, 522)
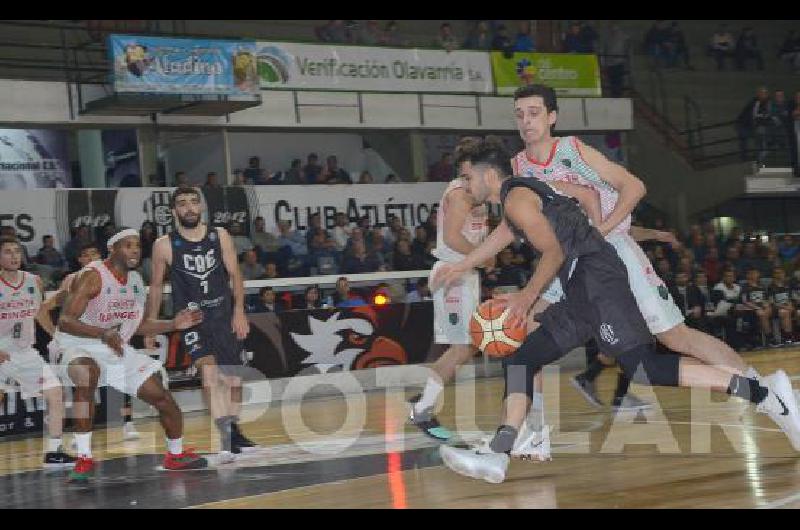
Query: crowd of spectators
(312, 172)
(772, 122)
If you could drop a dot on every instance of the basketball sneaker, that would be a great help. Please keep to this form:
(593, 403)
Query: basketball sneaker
(83, 470)
(427, 422)
(473, 463)
(188, 459)
(781, 406)
(630, 403)
(58, 459)
(532, 445)
(129, 431)
(240, 443)
(587, 390)
(225, 457)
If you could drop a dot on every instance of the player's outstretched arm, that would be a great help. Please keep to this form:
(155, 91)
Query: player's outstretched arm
(648, 234)
(588, 198)
(83, 289)
(630, 189)
(240, 325)
(524, 208)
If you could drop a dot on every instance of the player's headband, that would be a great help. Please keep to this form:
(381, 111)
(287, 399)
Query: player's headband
(122, 234)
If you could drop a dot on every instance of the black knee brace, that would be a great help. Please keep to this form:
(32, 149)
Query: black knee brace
(644, 366)
(538, 350)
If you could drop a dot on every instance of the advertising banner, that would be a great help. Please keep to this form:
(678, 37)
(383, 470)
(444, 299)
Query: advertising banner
(570, 74)
(284, 65)
(34, 158)
(182, 66)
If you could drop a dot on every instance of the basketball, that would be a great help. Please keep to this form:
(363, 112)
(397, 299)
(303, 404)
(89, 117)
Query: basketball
(489, 330)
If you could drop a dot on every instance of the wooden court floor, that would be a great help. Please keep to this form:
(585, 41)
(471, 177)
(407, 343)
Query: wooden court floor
(694, 450)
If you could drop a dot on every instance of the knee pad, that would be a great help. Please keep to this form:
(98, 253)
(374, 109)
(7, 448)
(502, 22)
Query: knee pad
(643, 365)
(538, 350)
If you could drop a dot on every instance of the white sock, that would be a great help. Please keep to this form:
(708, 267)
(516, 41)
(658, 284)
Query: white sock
(83, 441)
(432, 390)
(175, 447)
(53, 444)
(536, 414)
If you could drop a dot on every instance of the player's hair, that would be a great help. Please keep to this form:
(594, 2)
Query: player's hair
(6, 240)
(87, 246)
(492, 152)
(545, 92)
(182, 190)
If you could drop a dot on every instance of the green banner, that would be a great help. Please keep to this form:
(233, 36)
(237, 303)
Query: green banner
(570, 74)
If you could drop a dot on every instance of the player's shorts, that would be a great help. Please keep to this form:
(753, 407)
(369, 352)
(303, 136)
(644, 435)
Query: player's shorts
(125, 374)
(652, 296)
(453, 308)
(214, 336)
(599, 304)
(27, 369)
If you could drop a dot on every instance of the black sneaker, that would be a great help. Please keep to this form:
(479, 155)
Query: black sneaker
(427, 423)
(59, 459)
(587, 390)
(240, 443)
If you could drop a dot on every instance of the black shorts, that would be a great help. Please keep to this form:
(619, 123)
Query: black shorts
(598, 305)
(214, 336)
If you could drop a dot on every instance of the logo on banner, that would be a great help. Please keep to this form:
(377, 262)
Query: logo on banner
(158, 211)
(273, 65)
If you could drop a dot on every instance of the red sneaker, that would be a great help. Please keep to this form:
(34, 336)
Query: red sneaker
(188, 459)
(84, 467)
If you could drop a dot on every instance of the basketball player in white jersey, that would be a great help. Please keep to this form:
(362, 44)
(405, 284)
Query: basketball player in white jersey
(88, 253)
(103, 310)
(20, 305)
(463, 226)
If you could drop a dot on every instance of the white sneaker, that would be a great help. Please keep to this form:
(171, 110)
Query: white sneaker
(531, 444)
(129, 432)
(781, 406)
(490, 467)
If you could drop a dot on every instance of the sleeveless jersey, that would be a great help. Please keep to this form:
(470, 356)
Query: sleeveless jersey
(19, 305)
(575, 234)
(474, 230)
(198, 274)
(566, 164)
(118, 305)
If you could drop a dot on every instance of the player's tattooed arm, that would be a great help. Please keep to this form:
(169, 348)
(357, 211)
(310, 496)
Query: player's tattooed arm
(587, 196)
(83, 289)
(630, 189)
(43, 316)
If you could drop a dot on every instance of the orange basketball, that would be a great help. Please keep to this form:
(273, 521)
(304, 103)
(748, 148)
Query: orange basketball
(489, 330)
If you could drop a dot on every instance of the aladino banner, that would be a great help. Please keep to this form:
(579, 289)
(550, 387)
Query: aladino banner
(570, 74)
(312, 66)
(183, 66)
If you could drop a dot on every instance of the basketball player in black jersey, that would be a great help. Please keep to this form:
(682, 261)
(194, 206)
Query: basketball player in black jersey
(204, 273)
(599, 304)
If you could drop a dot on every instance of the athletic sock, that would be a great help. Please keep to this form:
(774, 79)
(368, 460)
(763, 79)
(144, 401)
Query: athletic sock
(83, 441)
(748, 389)
(224, 427)
(175, 447)
(623, 383)
(429, 395)
(535, 417)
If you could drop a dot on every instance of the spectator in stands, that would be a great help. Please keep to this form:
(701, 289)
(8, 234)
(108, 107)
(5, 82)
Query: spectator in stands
(292, 239)
(780, 296)
(756, 120)
(750, 258)
(250, 267)
(664, 270)
(391, 232)
(712, 265)
(370, 34)
(365, 178)
(756, 308)
(312, 170)
(321, 253)
(572, 40)
(679, 46)
(788, 248)
(523, 40)
(391, 178)
(341, 231)
(240, 241)
(265, 243)
(239, 178)
(314, 227)
(211, 181)
(479, 37)
(588, 37)
(182, 179)
(506, 273)
(359, 261)
(311, 298)
(420, 239)
(701, 282)
(253, 171)
(658, 44)
(747, 48)
(443, 170)
(344, 297)
(688, 298)
(392, 37)
(726, 296)
(293, 175)
(333, 174)
(377, 243)
(421, 294)
(731, 261)
(501, 41)
(270, 271)
(103, 234)
(722, 46)
(616, 50)
(335, 31)
(72, 249)
(446, 39)
(266, 302)
(48, 255)
(789, 51)
(403, 259)
(783, 128)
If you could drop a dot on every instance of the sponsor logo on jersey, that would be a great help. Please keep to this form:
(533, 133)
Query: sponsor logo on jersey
(607, 333)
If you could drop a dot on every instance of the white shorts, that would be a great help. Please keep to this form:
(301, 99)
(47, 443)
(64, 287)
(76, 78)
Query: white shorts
(652, 296)
(27, 369)
(125, 374)
(452, 310)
